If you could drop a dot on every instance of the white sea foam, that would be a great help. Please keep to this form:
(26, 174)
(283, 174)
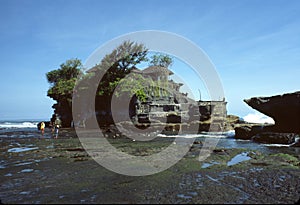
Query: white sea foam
(277, 145)
(258, 118)
(228, 134)
(12, 124)
(182, 136)
(283, 145)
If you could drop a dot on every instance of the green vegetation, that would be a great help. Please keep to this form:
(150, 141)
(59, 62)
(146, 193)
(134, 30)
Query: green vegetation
(161, 60)
(113, 70)
(62, 83)
(118, 64)
(286, 158)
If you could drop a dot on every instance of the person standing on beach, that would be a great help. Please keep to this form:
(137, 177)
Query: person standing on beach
(42, 128)
(57, 124)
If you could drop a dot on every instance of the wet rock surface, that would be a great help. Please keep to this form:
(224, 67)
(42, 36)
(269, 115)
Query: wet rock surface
(60, 171)
(275, 138)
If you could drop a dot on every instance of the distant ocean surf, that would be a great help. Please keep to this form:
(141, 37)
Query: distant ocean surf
(14, 124)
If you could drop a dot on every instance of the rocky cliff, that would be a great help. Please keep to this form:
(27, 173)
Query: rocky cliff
(284, 109)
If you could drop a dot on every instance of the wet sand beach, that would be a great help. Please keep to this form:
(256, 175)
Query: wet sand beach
(47, 170)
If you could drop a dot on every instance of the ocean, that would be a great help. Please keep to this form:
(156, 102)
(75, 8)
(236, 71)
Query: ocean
(18, 124)
(19, 129)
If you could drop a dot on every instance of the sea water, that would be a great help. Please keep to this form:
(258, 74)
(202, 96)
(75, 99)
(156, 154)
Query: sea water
(15, 124)
(226, 140)
(18, 128)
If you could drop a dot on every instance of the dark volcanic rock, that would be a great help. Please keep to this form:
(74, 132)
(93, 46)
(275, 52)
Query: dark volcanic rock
(243, 132)
(275, 138)
(284, 109)
(247, 132)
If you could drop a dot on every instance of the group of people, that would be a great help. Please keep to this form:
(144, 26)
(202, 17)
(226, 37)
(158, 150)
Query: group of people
(54, 127)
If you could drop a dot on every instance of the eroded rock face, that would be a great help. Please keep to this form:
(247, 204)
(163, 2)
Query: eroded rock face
(284, 109)
(275, 138)
(248, 131)
(243, 132)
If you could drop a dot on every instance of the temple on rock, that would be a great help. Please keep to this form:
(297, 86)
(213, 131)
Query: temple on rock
(165, 102)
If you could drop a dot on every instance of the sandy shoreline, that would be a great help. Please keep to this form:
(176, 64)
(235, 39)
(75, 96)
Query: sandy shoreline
(60, 171)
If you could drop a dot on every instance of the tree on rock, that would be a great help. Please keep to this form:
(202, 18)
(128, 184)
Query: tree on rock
(62, 83)
(110, 71)
(161, 60)
(118, 64)
(114, 67)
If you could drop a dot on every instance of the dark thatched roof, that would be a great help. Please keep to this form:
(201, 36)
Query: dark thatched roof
(154, 69)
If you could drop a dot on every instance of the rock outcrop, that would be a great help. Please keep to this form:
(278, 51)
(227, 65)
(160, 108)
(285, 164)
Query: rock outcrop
(275, 138)
(246, 132)
(284, 109)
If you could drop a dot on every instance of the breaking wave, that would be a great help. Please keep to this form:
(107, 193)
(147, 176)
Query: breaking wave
(23, 124)
(258, 118)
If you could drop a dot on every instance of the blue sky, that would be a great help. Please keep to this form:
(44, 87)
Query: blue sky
(254, 45)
